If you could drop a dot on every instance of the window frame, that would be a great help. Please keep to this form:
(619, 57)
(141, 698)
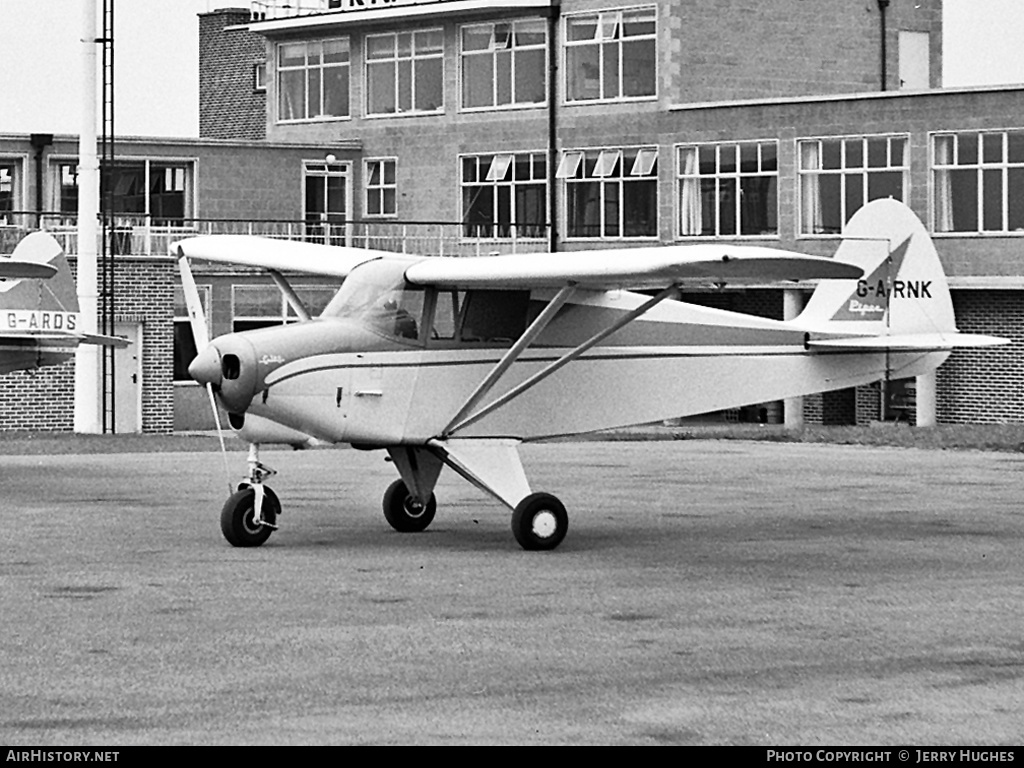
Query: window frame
(737, 176)
(844, 171)
(603, 18)
(492, 52)
(381, 188)
(259, 77)
(281, 70)
(61, 165)
(580, 160)
(514, 187)
(183, 324)
(396, 60)
(983, 168)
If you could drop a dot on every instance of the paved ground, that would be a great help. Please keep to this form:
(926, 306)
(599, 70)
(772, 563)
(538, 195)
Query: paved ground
(708, 593)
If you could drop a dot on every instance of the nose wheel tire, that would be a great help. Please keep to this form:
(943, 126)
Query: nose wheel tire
(237, 518)
(404, 513)
(540, 522)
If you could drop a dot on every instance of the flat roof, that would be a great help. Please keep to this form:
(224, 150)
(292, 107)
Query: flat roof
(375, 11)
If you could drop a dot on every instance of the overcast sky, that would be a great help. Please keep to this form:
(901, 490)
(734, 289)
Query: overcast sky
(156, 60)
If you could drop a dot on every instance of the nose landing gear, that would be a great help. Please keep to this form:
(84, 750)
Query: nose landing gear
(250, 514)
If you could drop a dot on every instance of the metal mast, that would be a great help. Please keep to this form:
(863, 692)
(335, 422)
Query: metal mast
(107, 210)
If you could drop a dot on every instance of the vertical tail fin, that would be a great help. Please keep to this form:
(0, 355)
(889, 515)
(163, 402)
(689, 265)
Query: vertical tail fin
(56, 290)
(903, 290)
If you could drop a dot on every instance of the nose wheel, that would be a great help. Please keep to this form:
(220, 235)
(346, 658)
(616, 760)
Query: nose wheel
(540, 522)
(239, 522)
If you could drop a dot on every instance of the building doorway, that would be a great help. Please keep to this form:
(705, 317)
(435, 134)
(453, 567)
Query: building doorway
(328, 207)
(128, 379)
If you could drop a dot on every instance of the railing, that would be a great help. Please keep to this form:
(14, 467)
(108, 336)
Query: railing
(152, 237)
(260, 10)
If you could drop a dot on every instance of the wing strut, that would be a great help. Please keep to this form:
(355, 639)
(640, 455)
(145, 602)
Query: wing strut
(565, 359)
(289, 294)
(531, 333)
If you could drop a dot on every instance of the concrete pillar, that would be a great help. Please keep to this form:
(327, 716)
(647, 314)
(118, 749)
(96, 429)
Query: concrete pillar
(87, 358)
(793, 407)
(927, 409)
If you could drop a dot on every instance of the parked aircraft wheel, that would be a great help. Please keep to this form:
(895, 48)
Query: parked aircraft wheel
(540, 522)
(236, 518)
(405, 513)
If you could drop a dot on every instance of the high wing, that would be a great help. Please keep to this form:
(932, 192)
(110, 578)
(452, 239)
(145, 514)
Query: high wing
(629, 268)
(633, 268)
(16, 269)
(277, 255)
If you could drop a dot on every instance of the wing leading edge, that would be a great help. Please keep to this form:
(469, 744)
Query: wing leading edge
(279, 255)
(629, 268)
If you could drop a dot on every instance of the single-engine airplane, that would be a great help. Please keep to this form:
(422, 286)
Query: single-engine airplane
(453, 361)
(39, 315)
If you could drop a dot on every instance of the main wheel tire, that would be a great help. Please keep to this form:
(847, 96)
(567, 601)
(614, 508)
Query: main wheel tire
(236, 518)
(404, 513)
(540, 522)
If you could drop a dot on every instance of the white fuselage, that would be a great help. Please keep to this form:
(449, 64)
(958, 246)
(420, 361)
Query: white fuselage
(695, 360)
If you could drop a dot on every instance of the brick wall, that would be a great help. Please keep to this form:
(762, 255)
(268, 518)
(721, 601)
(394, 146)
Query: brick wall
(44, 399)
(985, 385)
(229, 106)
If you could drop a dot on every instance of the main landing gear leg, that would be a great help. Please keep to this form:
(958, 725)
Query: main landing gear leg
(539, 520)
(250, 514)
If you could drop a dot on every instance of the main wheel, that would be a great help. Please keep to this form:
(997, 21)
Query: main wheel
(239, 512)
(405, 513)
(540, 522)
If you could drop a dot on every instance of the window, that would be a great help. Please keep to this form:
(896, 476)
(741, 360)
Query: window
(312, 80)
(8, 187)
(184, 342)
(504, 65)
(728, 189)
(404, 72)
(314, 298)
(261, 306)
(611, 55)
(381, 188)
(979, 181)
(505, 195)
(148, 189)
(611, 193)
(256, 306)
(838, 176)
(259, 76)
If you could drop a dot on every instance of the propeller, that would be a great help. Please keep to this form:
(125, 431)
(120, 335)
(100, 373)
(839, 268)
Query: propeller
(201, 335)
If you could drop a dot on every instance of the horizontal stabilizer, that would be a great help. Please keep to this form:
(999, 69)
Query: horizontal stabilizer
(82, 338)
(629, 268)
(104, 341)
(910, 342)
(16, 269)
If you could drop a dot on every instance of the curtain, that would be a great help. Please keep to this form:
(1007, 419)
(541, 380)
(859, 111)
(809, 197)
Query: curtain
(944, 183)
(812, 218)
(689, 195)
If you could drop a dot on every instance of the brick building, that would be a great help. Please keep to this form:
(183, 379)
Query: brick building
(479, 125)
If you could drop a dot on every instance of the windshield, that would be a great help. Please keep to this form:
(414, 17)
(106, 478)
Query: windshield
(376, 294)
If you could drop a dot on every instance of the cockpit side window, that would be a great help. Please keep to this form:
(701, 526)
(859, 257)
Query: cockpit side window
(494, 316)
